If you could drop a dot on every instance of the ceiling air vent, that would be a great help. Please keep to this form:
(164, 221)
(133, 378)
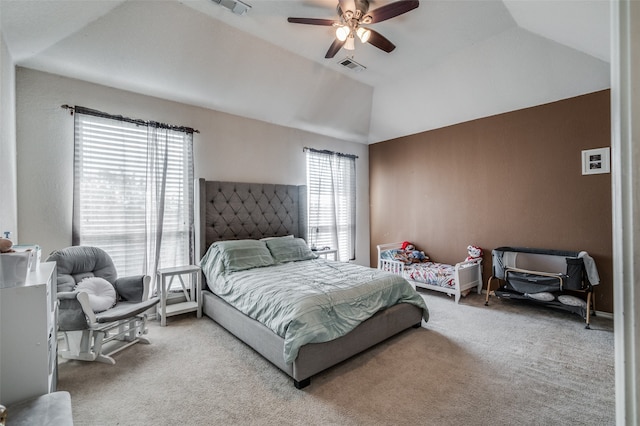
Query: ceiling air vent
(352, 65)
(236, 6)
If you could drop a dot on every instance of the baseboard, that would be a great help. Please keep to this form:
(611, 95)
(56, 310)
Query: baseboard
(602, 314)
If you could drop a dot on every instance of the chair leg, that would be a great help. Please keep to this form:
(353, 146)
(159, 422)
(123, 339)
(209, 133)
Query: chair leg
(79, 346)
(87, 345)
(142, 329)
(98, 340)
(131, 329)
(127, 331)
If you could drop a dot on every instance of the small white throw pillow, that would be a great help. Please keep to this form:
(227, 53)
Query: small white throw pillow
(566, 299)
(542, 296)
(101, 293)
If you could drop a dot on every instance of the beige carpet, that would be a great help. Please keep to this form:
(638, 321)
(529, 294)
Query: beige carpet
(506, 364)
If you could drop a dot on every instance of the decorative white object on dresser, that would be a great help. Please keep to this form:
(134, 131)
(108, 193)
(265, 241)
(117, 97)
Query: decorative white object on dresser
(28, 359)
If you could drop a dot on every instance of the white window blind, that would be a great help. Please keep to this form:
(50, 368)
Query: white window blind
(331, 186)
(133, 193)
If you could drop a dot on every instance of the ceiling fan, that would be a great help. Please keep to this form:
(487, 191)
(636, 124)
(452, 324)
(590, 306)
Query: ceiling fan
(351, 24)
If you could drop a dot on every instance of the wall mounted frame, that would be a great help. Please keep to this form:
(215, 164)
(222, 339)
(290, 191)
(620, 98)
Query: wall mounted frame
(596, 161)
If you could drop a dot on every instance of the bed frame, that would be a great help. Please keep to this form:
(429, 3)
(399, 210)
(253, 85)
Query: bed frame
(468, 274)
(231, 210)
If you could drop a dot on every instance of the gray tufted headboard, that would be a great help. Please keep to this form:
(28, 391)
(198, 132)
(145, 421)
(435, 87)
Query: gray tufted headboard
(235, 211)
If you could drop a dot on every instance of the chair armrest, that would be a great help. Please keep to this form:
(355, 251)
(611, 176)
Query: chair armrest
(134, 288)
(71, 314)
(83, 298)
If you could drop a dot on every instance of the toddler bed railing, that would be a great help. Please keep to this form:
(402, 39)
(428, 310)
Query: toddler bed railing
(466, 275)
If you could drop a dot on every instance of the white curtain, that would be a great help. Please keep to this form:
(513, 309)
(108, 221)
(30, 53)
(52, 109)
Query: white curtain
(169, 205)
(133, 192)
(331, 186)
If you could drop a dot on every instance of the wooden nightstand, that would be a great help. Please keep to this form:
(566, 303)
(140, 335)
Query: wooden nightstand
(192, 293)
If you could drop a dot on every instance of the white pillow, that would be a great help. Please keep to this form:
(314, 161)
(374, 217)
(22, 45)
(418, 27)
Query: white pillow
(543, 296)
(101, 293)
(290, 250)
(275, 238)
(566, 299)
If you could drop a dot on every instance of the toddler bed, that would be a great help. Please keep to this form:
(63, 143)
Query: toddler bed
(455, 280)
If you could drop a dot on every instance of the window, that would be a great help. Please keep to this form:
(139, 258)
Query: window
(331, 186)
(133, 191)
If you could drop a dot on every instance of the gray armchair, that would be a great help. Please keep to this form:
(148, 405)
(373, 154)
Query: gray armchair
(85, 331)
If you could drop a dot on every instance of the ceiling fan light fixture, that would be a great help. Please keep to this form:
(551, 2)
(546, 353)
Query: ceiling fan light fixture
(350, 44)
(342, 33)
(351, 24)
(363, 34)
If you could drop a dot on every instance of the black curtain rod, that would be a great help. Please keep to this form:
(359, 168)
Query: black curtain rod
(96, 113)
(326, 151)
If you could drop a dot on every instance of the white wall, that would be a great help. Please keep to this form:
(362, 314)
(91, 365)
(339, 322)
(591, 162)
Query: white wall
(228, 147)
(8, 189)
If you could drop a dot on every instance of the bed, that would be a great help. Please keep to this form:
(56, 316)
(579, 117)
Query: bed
(454, 280)
(229, 212)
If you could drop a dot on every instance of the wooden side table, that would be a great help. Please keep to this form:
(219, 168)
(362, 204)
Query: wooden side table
(192, 293)
(326, 252)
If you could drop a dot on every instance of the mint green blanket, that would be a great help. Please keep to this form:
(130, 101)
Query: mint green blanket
(308, 301)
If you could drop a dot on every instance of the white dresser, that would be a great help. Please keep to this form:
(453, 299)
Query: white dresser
(28, 345)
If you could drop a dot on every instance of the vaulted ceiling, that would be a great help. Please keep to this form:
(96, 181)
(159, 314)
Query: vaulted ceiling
(455, 60)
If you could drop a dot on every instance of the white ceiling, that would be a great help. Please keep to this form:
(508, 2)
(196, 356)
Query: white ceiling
(455, 60)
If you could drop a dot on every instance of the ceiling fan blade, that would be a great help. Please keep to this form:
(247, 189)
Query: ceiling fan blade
(312, 21)
(334, 48)
(380, 41)
(392, 10)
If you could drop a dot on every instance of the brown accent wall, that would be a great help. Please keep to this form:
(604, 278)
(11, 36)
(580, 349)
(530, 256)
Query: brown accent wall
(513, 179)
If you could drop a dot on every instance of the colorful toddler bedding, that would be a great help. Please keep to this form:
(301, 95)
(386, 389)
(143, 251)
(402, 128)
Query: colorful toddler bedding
(305, 301)
(423, 271)
(439, 274)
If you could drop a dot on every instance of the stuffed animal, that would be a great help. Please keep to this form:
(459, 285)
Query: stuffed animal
(412, 254)
(417, 256)
(406, 245)
(474, 253)
(5, 246)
